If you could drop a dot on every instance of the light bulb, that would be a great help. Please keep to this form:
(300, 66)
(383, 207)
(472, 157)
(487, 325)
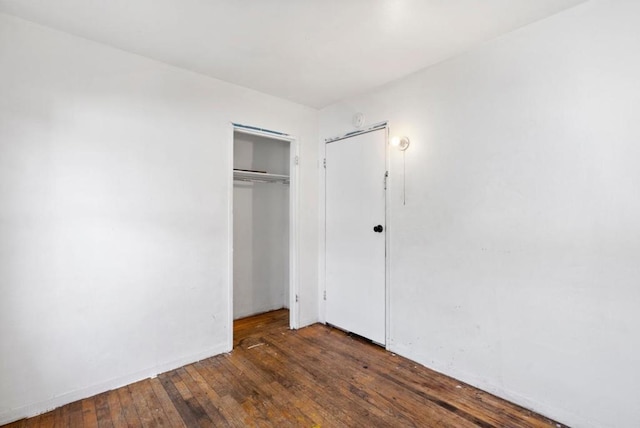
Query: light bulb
(402, 143)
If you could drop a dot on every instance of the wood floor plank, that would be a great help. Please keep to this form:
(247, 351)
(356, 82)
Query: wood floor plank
(150, 413)
(190, 410)
(128, 412)
(144, 417)
(342, 387)
(204, 395)
(453, 395)
(117, 414)
(74, 416)
(357, 400)
(102, 411)
(404, 411)
(281, 400)
(89, 417)
(34, 422)
(314, 377)
(60, 417)
(154, 402)
(243, 393)
(363, 371)
(232, 411)
(296, 378)
(256, 397)
(47, 420)
(169, 409)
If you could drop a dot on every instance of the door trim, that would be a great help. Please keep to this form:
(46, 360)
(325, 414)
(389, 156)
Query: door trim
(323, 268)
(372, 128)
(294, 156)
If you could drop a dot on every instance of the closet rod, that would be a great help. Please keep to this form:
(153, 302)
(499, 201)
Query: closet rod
(259, 177)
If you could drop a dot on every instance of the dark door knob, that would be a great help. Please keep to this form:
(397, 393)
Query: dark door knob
(378, 228)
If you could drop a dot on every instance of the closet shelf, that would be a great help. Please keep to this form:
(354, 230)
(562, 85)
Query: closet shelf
(259, 177)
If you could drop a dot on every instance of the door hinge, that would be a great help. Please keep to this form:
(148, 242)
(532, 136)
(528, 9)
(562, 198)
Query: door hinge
(324, 163)
(325, 294)
(386, 177)
(297, 160)
(297, 298)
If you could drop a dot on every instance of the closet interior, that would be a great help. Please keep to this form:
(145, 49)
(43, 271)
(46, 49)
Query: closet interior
(261, 193)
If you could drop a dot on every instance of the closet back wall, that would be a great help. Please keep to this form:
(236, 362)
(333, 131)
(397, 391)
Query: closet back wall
(260, 228)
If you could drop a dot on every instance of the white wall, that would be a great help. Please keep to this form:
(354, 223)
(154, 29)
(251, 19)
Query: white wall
(114, 214)
(260, 228)
(515, 264)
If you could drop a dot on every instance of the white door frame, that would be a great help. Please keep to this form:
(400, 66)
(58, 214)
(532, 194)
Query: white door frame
(388, 228)
(294, 315)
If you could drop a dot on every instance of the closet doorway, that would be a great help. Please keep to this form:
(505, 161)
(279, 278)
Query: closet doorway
(264, 224)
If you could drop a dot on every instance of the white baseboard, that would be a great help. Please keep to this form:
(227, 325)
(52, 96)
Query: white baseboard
(35, 409)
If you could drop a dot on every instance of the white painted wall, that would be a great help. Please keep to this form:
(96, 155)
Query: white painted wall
(261, 228)
(515, 264)
(114, 214)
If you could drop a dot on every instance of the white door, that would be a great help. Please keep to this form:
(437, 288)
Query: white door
(355, 234)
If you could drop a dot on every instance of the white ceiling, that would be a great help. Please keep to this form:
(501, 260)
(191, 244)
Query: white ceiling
(313, 52)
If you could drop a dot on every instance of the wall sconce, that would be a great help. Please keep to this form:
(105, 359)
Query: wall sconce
(402, 143)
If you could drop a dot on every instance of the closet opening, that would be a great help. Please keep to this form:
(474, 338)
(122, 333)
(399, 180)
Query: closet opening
(264, 232)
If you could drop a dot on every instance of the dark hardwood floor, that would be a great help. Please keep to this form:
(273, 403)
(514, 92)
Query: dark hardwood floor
(313, 377)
